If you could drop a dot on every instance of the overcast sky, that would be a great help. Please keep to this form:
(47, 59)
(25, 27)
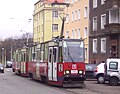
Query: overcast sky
(14, 16)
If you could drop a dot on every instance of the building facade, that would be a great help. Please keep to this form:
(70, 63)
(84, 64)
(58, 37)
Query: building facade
(46, 20)
(104, 38)
(77, 22)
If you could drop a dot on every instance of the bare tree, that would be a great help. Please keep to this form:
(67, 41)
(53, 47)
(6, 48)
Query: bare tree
(11, 44)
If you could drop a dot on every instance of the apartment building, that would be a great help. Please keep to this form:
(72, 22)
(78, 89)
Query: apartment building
(104, 39)
(77, 22)
(46, 20)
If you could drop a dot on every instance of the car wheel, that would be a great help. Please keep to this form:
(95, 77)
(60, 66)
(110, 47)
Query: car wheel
(3, 71)
(100, 79)
(113, 81)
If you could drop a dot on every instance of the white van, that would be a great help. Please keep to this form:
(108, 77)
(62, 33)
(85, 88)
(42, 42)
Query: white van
(112, 71)
(99, 73)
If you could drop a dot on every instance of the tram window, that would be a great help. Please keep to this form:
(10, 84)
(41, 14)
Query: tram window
(17, 57)
(50, 56)
(24, 57)
(42, 55)
(27, 57)
(33, 55)
(21, 59)
(46, 51)
(60, 57)
(38, 54)
(54, 53)
(42, 47)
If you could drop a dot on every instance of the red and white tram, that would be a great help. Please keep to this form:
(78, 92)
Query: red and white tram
(59, 62)
(20, 63)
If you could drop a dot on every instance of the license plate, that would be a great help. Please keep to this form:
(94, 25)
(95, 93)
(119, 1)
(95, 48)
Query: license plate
(74, 71)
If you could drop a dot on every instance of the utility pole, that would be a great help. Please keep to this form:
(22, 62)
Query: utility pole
(4, 56)
(11, 53)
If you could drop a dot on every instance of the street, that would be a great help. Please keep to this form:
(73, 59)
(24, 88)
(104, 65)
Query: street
(13, 84)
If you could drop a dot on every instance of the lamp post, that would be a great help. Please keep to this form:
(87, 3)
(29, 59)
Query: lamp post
(11, 53)
(4, 56)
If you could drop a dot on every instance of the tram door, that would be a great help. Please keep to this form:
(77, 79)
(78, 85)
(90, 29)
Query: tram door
(52, 63)
(23, 63)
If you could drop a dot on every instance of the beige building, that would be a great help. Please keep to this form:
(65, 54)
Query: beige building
(46, 21)
(76, 25)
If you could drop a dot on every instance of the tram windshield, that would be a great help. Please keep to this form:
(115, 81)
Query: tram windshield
(73, 51)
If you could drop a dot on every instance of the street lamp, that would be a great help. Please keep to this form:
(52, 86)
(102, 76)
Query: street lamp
(4, 56)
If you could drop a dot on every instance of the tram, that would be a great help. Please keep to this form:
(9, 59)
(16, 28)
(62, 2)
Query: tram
(57, 62)
(20, 63)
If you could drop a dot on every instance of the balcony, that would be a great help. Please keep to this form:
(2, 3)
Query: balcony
(113, 28)
(112, 3)
(113, 25)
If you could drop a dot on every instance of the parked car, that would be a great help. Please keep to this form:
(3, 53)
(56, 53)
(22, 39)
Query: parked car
(90, 67)
(112, 71)
(99, 73)
(1, 68)
(9, 64)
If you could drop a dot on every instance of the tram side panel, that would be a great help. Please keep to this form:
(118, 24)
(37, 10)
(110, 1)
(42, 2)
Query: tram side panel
(31, 68)
(24, 69)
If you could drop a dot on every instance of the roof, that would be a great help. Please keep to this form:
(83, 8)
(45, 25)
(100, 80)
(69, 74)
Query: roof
(51, 1)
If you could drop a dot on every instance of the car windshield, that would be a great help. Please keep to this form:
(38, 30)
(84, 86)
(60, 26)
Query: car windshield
(73, 51)
(90, 67)
(1, 65)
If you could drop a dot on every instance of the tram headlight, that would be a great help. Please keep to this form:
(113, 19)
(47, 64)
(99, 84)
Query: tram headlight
(80, 72)
(67, 72)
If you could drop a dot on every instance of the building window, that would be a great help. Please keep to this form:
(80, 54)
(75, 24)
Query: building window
(79, 14)
(79, 33)
(94, 45)
(85, 32)
(55, 27)
(73, 34)
(103, 2)
(114, 16)
(94, 23)
(73, 16)
(67, 18)
(85, 12)
(55, 14)
(67, 1)
(73, 1)
(103, 21)
(67, 34)
(94, 3)
(103, 45)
